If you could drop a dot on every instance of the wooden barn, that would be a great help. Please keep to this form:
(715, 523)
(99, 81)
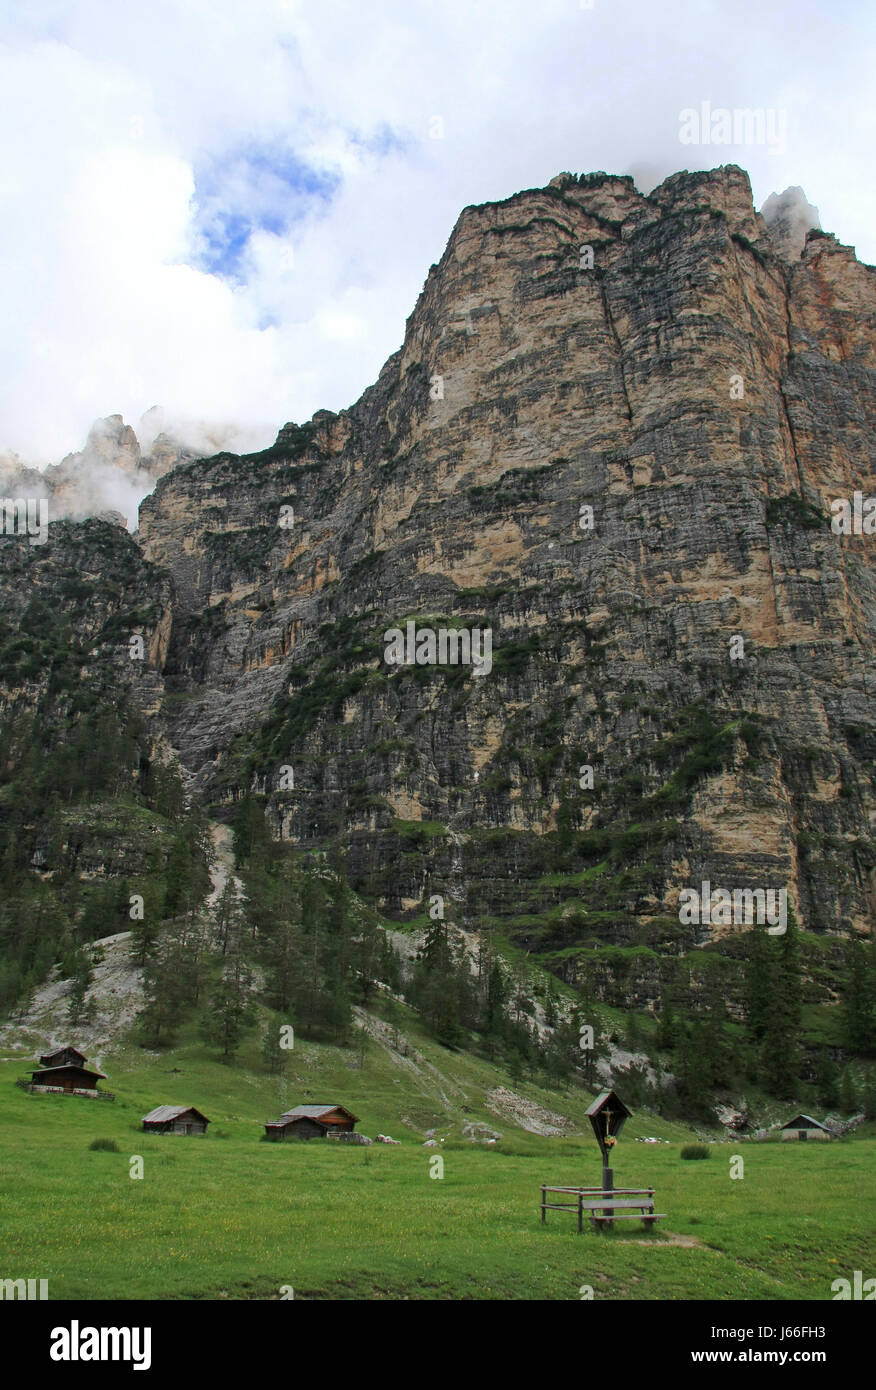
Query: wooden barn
(311, 1122)
(175, 1119)
(804, 1127)
(65, 1072)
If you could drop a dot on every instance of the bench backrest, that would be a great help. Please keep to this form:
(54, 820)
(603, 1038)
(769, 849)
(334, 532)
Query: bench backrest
(641, 1204)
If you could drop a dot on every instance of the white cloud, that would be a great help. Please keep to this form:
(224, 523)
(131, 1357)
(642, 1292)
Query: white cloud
(146, 135)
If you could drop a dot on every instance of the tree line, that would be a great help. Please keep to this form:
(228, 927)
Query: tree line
(90, 778)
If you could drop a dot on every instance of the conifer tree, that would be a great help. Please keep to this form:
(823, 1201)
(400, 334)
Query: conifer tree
(758, 981)
(170, 982)
(77, 1007)
(826, 1079)
(252, 838)
(848, 1096)
(859, 998)
(667, 1033)
(230, 1010)
(692, 1076)
(274, 1055)
(144, 936)
(780, 1055)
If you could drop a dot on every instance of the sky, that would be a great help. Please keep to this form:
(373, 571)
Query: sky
(227, 208)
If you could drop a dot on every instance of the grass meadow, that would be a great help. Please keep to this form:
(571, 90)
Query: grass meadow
(228, 1216)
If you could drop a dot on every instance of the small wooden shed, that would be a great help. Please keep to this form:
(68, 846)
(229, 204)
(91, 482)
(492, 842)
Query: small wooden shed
(804, 1127)
(175, 1119)
(311, 1122)
(64, 1072)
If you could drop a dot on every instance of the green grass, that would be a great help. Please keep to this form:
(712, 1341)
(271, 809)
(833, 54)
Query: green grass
(229, 1216)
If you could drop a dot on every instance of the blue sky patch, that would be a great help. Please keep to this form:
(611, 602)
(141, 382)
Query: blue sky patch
(248, 189)
(385, 141)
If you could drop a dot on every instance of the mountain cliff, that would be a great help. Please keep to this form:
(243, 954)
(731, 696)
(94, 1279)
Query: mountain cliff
(664, 363)
(612, 437)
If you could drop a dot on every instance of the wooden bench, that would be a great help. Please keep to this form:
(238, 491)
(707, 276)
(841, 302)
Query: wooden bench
(604, 1205)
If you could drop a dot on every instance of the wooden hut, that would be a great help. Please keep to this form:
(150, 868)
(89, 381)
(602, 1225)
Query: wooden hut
(175, 1119)
(311, 1122)
(804, 1127)
(63, 1057)
(64, 1072)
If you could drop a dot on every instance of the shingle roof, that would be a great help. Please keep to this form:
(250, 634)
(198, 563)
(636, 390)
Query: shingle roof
(46, 1059)
(795, 1123)
(310, 1112)
(313, 1112)
(169, 1112)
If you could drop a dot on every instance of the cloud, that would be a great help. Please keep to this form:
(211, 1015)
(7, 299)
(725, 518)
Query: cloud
(790, 216)
(231, 209)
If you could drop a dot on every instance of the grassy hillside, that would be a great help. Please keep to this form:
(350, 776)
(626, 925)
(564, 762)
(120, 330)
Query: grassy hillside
(230, 1216)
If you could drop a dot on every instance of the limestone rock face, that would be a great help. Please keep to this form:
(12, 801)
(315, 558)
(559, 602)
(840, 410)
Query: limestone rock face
(68, 609)
(612, 436)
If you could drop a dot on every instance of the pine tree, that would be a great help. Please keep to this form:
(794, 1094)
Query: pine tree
(170, 983)
(77, 1008)
(848, 1097)
(226, 917)
(278, 907)
(859, 998)
(692, 1076)
(252, 838)
(826, 1078)
(438, 988)
(368, 955)
(717, 1052)
(144, 936)
(230, 1010)
(164, 790)
(178, 878)
(389, 966)
(667, 1034)
(633, 1031)
(496, 1001)
(780, 1055)
(392, 1014)
(274, 1055)
(759, 981)
(551, 1012)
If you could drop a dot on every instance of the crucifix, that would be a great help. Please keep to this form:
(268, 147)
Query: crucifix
(607, 1173)
(607, 1115)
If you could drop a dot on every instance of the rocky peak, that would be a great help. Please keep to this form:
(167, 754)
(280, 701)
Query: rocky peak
(789, 216)
(105, 479)
(111, 441)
